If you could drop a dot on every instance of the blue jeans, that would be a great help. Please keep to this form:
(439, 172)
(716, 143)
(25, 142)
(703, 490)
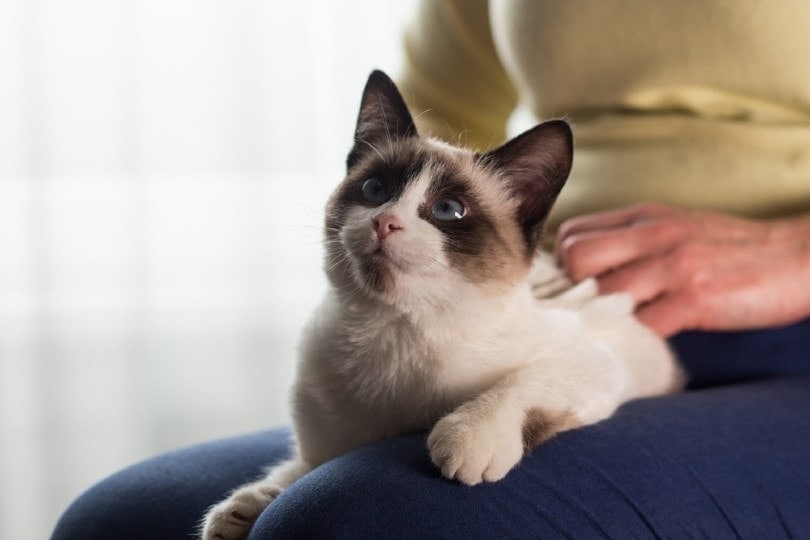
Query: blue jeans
(728, 458)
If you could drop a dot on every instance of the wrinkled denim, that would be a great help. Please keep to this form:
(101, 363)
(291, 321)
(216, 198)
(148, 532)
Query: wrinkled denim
(729, 458)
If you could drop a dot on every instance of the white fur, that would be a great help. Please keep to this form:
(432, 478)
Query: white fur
(436, 351)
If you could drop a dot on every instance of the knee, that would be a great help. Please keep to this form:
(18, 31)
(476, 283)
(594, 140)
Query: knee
(361, 494)
(123, 506)
(390, 489)
(166, 496)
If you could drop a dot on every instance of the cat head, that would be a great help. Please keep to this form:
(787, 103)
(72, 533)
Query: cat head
(416, 218)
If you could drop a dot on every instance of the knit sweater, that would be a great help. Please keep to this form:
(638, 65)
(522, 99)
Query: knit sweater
(700, 103)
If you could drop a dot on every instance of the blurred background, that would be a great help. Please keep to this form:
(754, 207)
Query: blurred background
(163, 166)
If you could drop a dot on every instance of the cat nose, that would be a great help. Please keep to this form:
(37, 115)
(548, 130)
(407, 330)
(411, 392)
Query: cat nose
(385, 224)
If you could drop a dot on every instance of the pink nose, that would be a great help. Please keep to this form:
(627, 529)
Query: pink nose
(385, 224)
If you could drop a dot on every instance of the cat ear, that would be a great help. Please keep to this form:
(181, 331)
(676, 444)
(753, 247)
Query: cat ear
(536, 165)
(383, 116)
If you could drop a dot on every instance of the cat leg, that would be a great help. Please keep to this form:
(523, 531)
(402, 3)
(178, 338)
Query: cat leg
(232, 518)
(478, 442)
(483, 439)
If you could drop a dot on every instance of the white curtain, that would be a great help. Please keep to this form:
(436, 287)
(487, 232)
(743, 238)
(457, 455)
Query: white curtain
(163, 165)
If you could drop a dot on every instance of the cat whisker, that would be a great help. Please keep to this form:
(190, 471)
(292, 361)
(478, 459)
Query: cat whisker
(424, 112)
(373, 147)
(294, 227)
(385, 125)
(430, 343)
(350, 297)
(306, 227)
(460, 135)
(292, 246)
(334, 264)
(491, 143)
(283, 197)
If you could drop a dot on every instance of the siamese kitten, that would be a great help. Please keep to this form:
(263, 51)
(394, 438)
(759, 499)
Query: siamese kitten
(442, 316)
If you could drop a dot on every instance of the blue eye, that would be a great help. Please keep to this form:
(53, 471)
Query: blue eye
(375, 190)
(448, 209)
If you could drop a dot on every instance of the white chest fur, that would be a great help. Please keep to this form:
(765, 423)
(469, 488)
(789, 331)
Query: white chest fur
(371, 371)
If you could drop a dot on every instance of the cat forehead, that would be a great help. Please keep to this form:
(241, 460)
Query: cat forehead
(437, 166)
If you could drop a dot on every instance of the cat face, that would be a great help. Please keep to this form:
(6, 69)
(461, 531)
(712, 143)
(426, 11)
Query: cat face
(416, 219)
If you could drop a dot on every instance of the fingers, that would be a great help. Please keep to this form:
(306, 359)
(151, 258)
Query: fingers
(597, 252)
(690, 269)
(632, 250)
(644, 279)
(659, 290)
(668, 314)
(610, 219)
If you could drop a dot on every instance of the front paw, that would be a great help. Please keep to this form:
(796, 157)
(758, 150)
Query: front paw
(474, 446)
(233, 518)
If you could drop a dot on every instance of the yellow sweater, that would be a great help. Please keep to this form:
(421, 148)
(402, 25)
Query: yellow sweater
(701, 103)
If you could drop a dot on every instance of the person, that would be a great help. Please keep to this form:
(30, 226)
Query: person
(666, 108)
(690, 190)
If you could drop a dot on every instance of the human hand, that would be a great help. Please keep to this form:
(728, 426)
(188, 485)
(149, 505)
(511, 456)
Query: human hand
(691, 269)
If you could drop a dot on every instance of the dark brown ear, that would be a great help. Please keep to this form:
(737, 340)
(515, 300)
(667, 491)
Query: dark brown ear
(536, 165)
(383, 117)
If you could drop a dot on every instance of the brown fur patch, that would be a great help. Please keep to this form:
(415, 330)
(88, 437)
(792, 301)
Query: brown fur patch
(377, 275)
(487, 245)
(539, 426)
(397, 163)
(508, 191)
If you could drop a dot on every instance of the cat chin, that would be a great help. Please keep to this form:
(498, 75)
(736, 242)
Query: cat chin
(374, 278)
(388, 285)
(380, 269)
(384, 284)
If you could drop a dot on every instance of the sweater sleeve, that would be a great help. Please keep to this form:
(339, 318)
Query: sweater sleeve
(453, 81)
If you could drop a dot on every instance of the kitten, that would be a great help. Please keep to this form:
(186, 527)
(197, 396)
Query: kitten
(442, 316)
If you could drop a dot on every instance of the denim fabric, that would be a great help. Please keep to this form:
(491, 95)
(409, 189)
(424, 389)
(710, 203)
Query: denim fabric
(721, 461)
(166, 496)
(726, 357)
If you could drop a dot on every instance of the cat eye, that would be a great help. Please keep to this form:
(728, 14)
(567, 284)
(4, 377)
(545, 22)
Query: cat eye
(375, 190)
(448, 209)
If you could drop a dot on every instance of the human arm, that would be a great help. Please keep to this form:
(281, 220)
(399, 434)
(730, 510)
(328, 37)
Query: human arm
(694, 269)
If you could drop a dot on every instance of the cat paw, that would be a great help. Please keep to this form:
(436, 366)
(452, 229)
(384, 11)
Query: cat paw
(472, 447)
(233, 518)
